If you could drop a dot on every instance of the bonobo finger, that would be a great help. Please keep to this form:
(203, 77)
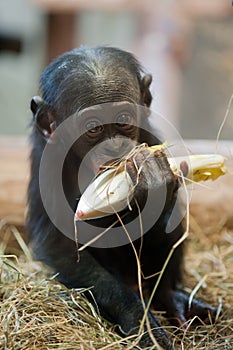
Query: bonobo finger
(182, 312)
(153, 168)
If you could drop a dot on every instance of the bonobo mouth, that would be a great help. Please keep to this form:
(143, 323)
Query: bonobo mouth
(109, 152)
(128, 184)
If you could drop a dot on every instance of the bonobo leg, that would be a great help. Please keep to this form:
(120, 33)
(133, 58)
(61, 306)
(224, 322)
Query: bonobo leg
(115, 300)
(176, 304)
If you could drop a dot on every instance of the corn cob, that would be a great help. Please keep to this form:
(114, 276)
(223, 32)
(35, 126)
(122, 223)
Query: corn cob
(203, 167)
(113, 189)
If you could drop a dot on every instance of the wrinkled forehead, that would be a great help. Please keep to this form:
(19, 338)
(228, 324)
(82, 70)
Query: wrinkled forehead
(77, 93)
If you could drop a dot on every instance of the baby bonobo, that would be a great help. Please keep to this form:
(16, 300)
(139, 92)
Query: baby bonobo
(80, 86)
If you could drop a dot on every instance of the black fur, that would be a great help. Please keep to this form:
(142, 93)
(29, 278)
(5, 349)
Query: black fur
(74, 81)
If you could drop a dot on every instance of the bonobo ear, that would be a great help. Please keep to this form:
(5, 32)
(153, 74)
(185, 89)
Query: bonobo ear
(43, 116)
(146, 94)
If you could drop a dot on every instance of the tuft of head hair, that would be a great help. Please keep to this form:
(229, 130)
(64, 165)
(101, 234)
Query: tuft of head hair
(91, 75)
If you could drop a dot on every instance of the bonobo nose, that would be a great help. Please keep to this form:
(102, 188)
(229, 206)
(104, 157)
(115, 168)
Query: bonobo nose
(119, 146)
(117, 143)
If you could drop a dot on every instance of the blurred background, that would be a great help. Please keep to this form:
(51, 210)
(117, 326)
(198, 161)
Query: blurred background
(186, 45)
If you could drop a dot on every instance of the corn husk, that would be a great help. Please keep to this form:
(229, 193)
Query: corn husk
(201, 167)
(110, 192)
(113, 189)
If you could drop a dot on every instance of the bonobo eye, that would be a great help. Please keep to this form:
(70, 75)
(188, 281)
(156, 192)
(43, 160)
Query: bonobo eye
(93, 127)
(124, 120)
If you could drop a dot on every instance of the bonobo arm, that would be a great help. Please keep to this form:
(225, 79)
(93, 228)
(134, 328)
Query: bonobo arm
(157, 245)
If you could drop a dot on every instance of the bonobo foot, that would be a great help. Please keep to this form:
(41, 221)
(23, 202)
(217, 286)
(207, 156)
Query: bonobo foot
(176, 304)
(152, 336)
(160, 337)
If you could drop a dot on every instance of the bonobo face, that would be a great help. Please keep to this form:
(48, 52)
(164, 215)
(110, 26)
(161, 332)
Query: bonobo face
(101, 89)
(108, 131)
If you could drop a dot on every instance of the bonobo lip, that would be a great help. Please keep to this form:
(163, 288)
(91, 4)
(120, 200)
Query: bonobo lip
(107, 165)
(106, 152)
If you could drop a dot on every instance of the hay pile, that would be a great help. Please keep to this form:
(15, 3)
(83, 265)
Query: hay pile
(39, 313)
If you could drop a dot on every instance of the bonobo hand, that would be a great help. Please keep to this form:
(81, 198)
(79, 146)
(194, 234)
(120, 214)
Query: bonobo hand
(151, 172)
